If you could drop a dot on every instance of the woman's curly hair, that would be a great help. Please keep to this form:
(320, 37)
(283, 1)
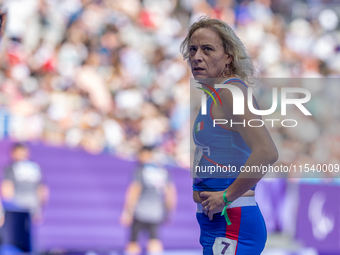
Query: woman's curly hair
(241, 65)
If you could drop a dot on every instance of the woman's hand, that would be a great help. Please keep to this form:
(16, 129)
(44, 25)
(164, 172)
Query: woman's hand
(196, 197)
(213, 202)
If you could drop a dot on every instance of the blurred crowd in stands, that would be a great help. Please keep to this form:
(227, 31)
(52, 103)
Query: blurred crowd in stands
(107, 75)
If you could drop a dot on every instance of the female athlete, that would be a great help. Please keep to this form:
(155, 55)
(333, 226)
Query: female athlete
(217, 56)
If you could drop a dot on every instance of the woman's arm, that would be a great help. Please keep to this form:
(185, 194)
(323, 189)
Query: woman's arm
(263, 152)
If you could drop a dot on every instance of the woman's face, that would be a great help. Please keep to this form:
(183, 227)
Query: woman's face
(206, 54)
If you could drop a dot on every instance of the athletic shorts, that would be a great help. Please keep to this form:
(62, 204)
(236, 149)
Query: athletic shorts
(246, 235)
(137, 226)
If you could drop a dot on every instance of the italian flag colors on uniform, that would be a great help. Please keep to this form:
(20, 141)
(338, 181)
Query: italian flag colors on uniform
(199, 126)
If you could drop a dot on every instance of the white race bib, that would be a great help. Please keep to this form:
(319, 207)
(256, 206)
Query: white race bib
(197, 156)
(224, 246)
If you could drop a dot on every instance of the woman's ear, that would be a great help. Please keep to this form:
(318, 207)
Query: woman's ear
(229, 59)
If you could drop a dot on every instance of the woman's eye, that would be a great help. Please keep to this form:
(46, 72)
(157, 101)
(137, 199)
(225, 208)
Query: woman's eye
(208, 48)
(192, 49)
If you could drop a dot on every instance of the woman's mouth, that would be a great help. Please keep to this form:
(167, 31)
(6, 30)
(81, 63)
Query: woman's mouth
(197, 69)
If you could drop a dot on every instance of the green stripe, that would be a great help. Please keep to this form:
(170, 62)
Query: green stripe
(198, 125)
(208, 94)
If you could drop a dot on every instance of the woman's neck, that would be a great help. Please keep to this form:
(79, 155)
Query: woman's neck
(222, 80)
(213, 81)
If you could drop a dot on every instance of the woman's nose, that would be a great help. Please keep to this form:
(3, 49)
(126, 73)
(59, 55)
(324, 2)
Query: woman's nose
(198, 57)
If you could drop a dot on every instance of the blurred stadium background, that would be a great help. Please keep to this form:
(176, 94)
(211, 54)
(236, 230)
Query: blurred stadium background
(87, 82)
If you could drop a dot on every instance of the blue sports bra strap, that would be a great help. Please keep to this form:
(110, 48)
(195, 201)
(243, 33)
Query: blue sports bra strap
(235, 80)
(232, 80)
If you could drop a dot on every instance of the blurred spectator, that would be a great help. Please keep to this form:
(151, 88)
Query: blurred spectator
(2, 221)
(149, 200)
(22, 185)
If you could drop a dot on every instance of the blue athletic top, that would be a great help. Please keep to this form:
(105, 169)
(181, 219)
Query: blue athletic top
(221, 146)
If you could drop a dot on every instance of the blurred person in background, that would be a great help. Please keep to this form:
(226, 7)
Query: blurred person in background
(149, 200)
(2, 221)
(216, 55)
(3, 17)
(22, 184)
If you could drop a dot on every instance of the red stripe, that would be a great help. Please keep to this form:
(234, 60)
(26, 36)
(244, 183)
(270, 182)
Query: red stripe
(233, 230)
(213, 162)
(256, 103)
(213, 118)
(202, 125)
(221, 104)
(230, 81)
(211, 88)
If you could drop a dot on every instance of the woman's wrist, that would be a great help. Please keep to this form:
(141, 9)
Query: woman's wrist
(225, 198)
(226, 194)
(224, 211)
(223, 202)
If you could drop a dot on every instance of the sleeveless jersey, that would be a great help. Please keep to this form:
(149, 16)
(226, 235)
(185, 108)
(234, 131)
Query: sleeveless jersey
(222, 148)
